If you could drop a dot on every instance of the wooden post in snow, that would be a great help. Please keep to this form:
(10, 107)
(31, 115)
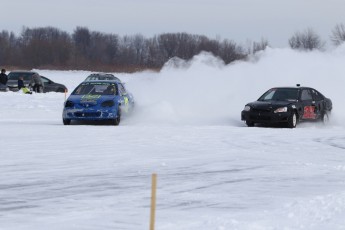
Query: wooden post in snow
(65, 94)
(153, 201)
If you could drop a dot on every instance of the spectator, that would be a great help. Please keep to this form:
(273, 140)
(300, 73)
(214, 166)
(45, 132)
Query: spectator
(36, 83)
(3, 77)
(22, 86)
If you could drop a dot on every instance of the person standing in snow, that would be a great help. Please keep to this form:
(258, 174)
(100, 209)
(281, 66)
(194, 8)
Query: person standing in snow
(36, 83)
(3, 77)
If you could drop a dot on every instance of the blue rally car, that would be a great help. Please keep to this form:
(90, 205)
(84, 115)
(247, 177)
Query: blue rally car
(98, 100)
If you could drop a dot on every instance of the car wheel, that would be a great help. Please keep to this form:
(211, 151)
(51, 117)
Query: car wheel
(117, 120)
(250, 124)
(292, 120)
(325, 118)
(66, 121)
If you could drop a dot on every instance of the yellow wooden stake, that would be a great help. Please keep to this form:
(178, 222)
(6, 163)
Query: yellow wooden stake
(153, 201)
(65, 94)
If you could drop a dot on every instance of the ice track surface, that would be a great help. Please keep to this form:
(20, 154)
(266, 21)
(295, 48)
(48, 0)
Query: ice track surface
(213, 171)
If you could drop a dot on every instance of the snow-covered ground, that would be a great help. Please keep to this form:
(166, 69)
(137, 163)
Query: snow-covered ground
(213, 171)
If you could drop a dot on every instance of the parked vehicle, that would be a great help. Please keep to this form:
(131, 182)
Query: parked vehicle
(287, 105)
(96, 101)
(3, 88)
(102, 76)
(48, 85)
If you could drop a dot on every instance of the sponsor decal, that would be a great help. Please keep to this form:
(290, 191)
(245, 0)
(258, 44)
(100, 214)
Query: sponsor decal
(90, 97)
(309, 112)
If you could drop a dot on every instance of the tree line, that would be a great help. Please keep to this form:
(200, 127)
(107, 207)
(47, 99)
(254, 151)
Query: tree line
(52, 48)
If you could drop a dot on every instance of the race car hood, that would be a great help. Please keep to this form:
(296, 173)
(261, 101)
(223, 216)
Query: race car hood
(90, 99)
(269, 104)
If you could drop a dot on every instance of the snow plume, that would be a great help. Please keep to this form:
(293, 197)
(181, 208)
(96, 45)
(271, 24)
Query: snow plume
(206, 91)
(184, 93)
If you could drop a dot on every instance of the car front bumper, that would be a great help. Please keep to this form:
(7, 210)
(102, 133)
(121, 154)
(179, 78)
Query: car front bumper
(264, 117)
(89, 114)
(13, 88)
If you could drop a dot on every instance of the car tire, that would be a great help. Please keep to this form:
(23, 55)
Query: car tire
(292, 120)
(117, 120)
(66, 121)
(250, 123)
(325, 118)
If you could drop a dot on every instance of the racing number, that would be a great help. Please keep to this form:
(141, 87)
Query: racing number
(309, 112)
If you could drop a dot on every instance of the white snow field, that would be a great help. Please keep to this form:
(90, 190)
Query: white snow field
(214, 173)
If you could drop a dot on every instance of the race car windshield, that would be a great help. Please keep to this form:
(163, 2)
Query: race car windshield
(95, 89)
(280, 95)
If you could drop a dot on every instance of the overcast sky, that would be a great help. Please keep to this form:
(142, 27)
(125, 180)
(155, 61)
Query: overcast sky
(237, 20)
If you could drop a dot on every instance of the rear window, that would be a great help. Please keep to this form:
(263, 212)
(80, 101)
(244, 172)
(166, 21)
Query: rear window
(16, 75)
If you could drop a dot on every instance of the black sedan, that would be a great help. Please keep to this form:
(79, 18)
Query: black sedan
(287, 105)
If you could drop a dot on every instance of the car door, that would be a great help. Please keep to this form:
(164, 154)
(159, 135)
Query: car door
(48, 85)
(124, 99)
(318, 100)
(308, 105)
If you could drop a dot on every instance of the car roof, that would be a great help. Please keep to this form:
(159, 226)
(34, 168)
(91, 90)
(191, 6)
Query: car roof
(101, 81)
(99, 76)
(103, 74)
(292, 87)
(22, 71)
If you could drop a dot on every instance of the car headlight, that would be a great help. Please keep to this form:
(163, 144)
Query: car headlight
(246, 108)
(69, 104)
(281, 110)
(108, 103)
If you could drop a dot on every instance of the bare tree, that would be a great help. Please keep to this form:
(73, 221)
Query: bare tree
(81, 38)
(4, 47)
(338, 34)
(155, 57)
(262, 45)
(252, 47)
(205, 44)
(168, 44)
(102, 48)
(140, 47)
(229, 51)
(45, 46)
(307, 40)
